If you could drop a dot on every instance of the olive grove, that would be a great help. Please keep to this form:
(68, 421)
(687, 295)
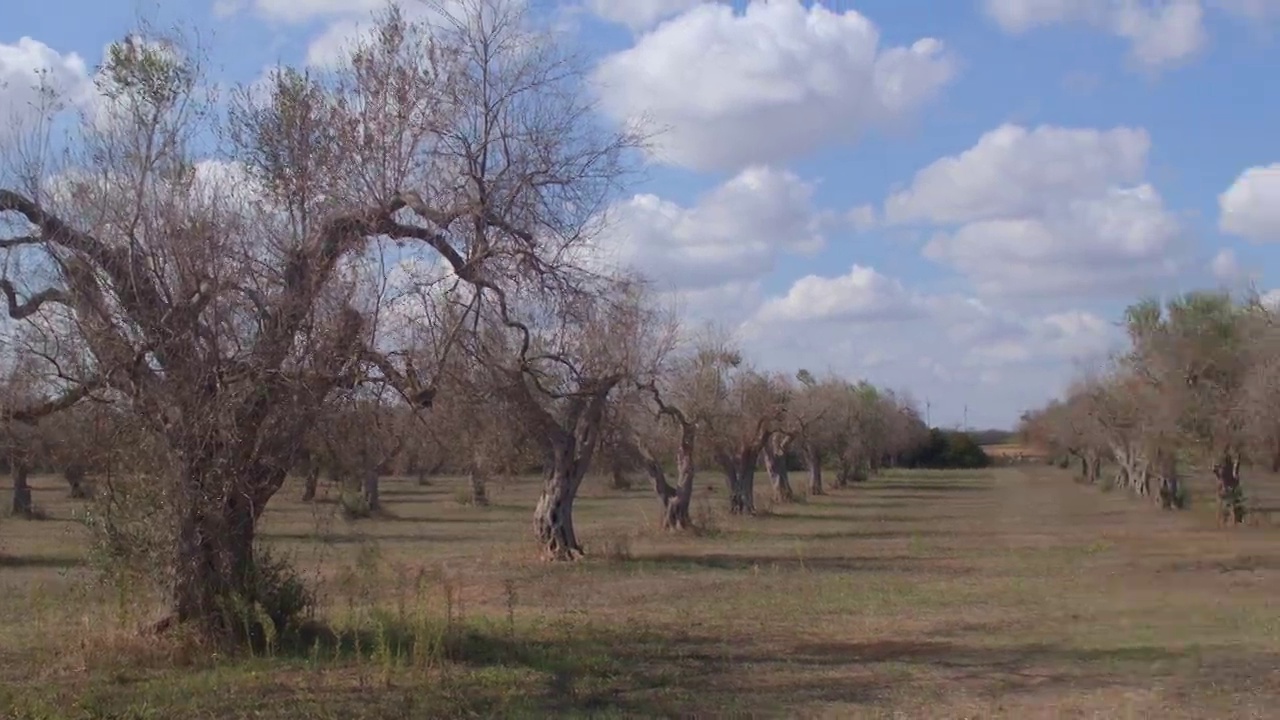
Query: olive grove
(1195, 389)
(385, 265)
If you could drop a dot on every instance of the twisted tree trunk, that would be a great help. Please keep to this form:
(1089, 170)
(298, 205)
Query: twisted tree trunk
(479, 484)
(213, 574)
(775, 463)
(740, 477)
(371, 488)
(553, 516)
(75, 475)
(22, 505)
(310, 482)
(1231, 509)
(813, 458)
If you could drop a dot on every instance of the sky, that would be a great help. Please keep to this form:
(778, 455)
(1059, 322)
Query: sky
(956, 198)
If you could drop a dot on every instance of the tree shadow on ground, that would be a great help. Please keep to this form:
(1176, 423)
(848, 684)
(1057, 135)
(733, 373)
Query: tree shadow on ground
(792, 562)
(864, 533)
(633, 671)
(349, 538)
(891, 488)
(498, 669)
(48, 562)
(1240, 563)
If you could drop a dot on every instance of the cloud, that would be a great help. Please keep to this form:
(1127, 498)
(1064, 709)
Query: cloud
(1250, 208)
(1251, 9)
(861, 295)
(639, 15)
(951, 348)
(1160, 34)
(1046, 211)
(733, 233)
(27, 67)
(728, 89)
(1225, 267)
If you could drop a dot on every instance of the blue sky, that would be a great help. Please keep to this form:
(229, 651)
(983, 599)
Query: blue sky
(785, 199)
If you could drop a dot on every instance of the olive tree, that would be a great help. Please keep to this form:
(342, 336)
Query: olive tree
(211, 293)
(748, 408)
(669, 413)
(1193, 353)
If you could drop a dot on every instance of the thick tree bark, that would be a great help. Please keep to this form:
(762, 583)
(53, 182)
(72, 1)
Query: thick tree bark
(479, 488)
(75, 475)
(310, 483)
(619, 478)
(22, 505)
(553, 516)
(813, 458)
(675, 500)
(1169, 492)
(213, 576)
(370, 485)
(844, 473)
(214, 562)
(570, 444)
(741, 479)
(1231, 508)
(775, 463)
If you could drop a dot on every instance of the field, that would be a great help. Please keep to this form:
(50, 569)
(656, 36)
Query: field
(1010, 593)
(1005, 452)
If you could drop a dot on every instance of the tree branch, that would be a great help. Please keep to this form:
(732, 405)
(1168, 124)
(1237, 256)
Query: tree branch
(20, 311)
(32, 413)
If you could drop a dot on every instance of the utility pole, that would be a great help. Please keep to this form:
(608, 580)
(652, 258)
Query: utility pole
(966, 417)
(928, 406)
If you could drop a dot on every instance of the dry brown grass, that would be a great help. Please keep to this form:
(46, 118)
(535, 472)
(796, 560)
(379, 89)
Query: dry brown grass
(1013, 593)
(1011, 450)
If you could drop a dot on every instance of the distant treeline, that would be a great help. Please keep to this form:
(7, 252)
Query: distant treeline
(993, 436)
(952, 449)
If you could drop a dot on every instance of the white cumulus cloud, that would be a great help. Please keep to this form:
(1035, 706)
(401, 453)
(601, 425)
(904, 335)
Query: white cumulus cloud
(861, 295)
(639, 15)
(29, 66)
(1045, 211)
(1250, 208)
(1159, 33)
(950, 348)
(726, 89)
(735, 232)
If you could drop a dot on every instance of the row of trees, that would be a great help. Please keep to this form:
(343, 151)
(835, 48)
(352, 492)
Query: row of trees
(392, 259)
(1196, 388)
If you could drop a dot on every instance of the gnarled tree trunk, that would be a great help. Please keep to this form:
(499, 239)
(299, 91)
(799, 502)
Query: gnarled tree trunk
(775, 463)
(370, 487)
(75, 476)
(213, 567)
(22, 505)
(479, 487)
(1231, 508)
(675, 500)
(553, 516)
(570, 452)
(813, 458)
(310, 482)
(740, 478)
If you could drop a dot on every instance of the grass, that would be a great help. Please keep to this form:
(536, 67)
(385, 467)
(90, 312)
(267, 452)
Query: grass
(1012, 593)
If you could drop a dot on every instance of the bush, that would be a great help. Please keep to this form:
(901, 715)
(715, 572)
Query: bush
(354, 505)
(277, 602)
(947, 450)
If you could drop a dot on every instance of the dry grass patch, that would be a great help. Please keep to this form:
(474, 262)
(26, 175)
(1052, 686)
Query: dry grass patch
(1012, 593)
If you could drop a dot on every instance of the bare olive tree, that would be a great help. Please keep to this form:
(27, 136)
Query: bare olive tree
(1193, 352)
(815, 414)
(749, 407)
(213, 295)
(669, 413)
